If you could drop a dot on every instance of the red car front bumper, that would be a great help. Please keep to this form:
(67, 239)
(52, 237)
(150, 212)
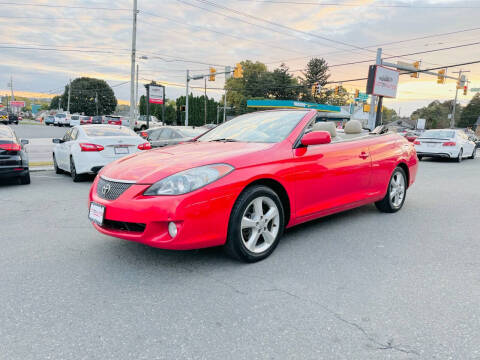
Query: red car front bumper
(201, 217)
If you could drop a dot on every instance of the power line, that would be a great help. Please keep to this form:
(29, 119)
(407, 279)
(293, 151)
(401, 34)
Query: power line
(378, 5)
(64, 6)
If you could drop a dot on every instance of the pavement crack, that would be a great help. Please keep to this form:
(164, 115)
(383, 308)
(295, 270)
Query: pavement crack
(389, 345)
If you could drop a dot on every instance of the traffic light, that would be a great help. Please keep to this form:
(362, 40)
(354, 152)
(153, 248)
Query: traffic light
(357, 93)
(337, 90)
(213, 71)
(416, 65)
(441, 76)
(238, 71)
(182, 108)
(461, 82)
(465, 90)
(315, 89)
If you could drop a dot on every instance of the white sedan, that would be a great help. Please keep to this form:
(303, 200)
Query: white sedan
(446, 143)
(86, 149)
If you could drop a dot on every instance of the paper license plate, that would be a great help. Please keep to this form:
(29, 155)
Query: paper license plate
(96, 213)
(121, 150)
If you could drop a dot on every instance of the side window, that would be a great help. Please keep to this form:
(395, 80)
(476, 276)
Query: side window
(166, 134)
(66, 137)
(74, 134)
(175, 135)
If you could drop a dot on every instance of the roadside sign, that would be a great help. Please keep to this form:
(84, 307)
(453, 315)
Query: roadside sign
(156, 94)
(475, 89)
(382, 81)
(17, 103)
(421, 124)
(361, 97)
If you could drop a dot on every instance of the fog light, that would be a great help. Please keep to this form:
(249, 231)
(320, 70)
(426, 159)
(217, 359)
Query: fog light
(172, 229)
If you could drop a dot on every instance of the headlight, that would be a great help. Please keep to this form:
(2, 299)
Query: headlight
(189, 180)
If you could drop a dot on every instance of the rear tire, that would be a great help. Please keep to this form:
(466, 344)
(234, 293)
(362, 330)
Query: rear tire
(73, 172)
(396, 192)
(256, 224)
(25, 179)
(460, 156)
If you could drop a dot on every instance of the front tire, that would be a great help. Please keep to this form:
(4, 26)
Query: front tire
(473, 153)
(55, 166)
(396, 192)
(256, 224)
(73, 171)
(420, 157)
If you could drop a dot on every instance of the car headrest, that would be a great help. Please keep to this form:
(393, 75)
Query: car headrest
(326, 126)
(353, 127)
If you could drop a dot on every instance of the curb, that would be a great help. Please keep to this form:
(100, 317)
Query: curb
(40, 163)
(41, 168)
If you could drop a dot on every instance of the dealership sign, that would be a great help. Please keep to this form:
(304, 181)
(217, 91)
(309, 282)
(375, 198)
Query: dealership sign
(382, 81)
(17, 103)
(156, 94)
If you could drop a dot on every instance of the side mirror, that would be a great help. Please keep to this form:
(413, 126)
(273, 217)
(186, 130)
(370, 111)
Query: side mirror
(316, 138)
(57, 141)
(24, 141)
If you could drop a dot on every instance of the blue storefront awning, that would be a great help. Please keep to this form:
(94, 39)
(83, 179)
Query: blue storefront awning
(292, 104)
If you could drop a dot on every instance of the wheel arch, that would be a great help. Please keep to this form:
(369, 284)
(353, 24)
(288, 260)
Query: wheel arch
(279, 189)
(405, 168)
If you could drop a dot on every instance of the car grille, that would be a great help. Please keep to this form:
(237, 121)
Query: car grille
(123, 226)
(111, 190)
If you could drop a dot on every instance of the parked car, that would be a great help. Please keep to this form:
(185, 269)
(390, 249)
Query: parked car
(141, 122)
(171, 135)
(75, 120)
(117, 120)
(241, 184)
(445, 143)
(61, 120)
(85, 120)
(50, 120)
(4, 117)
(87, 148)
(97, 120)
(13, 158)
(13, 118)
(410, 136)
(210, 126)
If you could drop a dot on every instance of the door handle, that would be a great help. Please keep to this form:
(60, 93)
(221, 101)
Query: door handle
(363, 155)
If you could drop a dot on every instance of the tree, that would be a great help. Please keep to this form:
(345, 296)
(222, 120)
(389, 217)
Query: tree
(196, 110)
(436, 114)
(388, 115)
(54, 103)
(89, 96)
(283, 85)
(315, 72)
(471, 112)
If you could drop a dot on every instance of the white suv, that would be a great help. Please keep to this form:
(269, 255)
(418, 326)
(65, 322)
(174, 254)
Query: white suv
(61, 120)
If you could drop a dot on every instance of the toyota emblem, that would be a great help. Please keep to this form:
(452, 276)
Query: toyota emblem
(106, 189)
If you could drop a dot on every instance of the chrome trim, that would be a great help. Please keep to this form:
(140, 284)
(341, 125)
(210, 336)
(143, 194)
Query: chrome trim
(118, 180)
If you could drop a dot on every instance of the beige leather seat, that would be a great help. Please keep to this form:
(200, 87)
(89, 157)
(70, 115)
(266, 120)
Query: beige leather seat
(353, 129)
(326, 126)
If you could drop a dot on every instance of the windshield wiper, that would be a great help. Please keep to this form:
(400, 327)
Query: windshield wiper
(225, 140)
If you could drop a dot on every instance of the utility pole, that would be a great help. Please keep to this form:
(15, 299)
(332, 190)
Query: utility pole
(186, 99)
(96, 101)
(205, 102)
(69, 93)
(132, 70)
(371, 116)
(225, 106)
(137, 113)
(452, 120)
(218, 106)
(11, 87)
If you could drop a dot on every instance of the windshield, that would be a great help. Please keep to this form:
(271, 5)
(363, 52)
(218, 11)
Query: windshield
(61, 115)
(262, 127)
(75, 117)
(108, 131)
(438, 134)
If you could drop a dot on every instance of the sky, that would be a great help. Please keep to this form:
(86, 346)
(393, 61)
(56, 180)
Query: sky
(45, 45)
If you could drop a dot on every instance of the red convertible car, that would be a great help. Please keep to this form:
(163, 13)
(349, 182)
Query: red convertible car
(242, 183)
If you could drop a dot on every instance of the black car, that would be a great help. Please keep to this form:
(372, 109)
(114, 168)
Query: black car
(97, 120)
(171, 135)
(13, 119)
(13, 158)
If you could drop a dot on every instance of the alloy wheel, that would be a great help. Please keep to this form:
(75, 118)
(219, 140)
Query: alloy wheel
(260, 224)
(397, 189)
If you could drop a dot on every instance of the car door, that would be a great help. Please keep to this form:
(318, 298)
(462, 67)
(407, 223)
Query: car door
(330, 176)
(174, 137)
(61, 152)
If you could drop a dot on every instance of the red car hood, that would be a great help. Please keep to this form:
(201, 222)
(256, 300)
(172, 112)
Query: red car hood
(151, 166)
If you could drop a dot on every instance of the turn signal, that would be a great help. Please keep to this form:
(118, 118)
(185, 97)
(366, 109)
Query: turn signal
(450, 143)
(144, 146)
(10, 147)
(416, 142)
(90, 147)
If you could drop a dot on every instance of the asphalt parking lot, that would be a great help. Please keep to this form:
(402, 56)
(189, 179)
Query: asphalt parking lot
(356, 285)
